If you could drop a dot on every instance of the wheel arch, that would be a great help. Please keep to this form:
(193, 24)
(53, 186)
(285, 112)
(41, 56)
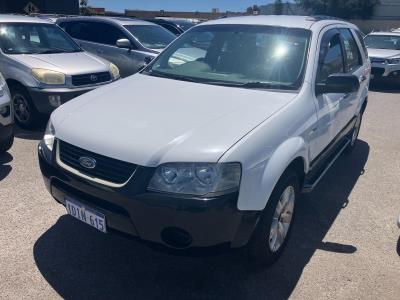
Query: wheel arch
(257, 186)
(13, 82)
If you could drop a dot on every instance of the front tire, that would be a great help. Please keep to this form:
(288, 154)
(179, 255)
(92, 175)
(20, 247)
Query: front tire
(273, 230)
(25, 112)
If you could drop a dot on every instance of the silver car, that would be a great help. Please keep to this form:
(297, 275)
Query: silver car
(128, 43)
(44, 67)
(384, 53)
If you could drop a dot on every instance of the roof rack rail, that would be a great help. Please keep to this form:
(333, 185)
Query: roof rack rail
(318, 18)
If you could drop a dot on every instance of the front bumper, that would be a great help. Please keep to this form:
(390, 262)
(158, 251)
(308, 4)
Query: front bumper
(384, 70)
(174, 221)
(41, 97)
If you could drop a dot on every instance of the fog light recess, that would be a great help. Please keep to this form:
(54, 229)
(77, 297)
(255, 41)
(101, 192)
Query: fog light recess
(55, 100)
(176, 237)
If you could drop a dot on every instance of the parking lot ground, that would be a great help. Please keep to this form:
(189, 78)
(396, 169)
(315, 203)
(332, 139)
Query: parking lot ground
(345, 244)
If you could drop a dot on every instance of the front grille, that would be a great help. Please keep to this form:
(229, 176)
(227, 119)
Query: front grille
(108, 169)
(377, 71)
(377, 60)
(88, 79)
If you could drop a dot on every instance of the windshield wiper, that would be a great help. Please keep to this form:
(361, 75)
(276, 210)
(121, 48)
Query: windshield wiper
(50, 52)
(170, 76)
(253, 84)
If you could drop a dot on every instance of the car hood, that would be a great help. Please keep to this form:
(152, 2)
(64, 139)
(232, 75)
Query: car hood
(67, 63)
(148, 120)
(383, 53)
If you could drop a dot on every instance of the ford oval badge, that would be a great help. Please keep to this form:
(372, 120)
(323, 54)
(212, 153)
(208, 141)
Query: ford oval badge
(87, 162)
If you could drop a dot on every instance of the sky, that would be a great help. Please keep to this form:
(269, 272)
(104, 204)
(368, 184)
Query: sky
(177, 5)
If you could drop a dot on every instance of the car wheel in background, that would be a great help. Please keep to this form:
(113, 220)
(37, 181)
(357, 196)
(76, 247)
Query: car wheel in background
(273, 230)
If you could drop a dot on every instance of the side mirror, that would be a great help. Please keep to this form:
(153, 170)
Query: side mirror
(124, 43)
(338, 83)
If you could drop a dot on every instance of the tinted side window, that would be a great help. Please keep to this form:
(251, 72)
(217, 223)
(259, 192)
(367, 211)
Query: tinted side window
(353, 56)
(94, 32)
(107, 34)
(331, 56)
(78, 30)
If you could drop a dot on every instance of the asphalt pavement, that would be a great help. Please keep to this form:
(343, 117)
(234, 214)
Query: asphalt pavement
(345, 244)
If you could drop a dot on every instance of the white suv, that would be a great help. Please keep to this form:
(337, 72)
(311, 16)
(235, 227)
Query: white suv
(213, 147)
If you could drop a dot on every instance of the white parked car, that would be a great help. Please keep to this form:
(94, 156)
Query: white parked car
(384, 53)
(6, 117)
(215, 150)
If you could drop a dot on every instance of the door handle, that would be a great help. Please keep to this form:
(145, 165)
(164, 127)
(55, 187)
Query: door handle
(99, 51)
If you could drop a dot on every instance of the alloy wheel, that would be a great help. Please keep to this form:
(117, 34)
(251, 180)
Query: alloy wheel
(282, 219)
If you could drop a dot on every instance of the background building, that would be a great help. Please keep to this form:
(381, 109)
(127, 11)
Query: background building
(67, 7)
(387, 10)
(214, 14)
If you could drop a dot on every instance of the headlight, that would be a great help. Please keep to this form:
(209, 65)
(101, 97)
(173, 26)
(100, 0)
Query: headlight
(196, 178)
(393, 61)
(114, 71)
(48, 76)
(49, 136)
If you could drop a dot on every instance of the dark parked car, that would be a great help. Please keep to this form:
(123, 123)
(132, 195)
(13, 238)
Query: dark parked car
(128, 43)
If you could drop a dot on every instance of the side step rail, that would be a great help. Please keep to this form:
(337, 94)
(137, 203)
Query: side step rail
(313, 179)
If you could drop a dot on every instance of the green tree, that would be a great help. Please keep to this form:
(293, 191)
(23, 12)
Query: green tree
(278, 7)
(346, 9)
(84, 8)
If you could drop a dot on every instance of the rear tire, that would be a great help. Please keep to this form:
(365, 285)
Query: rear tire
(25, 112)
(354, 134)
(275, 225)
(6, 144)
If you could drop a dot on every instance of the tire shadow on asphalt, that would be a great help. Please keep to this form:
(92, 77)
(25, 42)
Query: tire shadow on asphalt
(80, 262)
(35, 134)
(385, 86)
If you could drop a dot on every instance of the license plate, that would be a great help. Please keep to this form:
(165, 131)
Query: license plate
(86, 214)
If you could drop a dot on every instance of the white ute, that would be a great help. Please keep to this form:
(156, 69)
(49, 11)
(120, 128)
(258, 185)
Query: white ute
(213, 149)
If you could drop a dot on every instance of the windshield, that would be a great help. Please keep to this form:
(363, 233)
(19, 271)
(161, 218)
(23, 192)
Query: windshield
(236, 55)
(391, 42)
(25, 38)
(152, 37)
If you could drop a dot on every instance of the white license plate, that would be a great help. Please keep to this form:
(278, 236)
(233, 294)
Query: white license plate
(86, 214)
